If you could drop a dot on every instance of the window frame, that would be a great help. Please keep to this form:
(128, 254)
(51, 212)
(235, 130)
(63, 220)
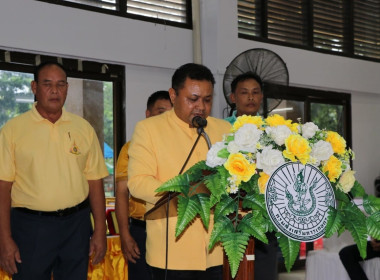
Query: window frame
(349, 51)
(122, 12)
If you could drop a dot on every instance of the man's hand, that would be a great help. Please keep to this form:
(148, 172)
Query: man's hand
(131, 251)
(9, 255)
(375, 244)
(98, 246)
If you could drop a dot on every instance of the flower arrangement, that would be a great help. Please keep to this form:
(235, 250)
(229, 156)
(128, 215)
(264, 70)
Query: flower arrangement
(237, 170)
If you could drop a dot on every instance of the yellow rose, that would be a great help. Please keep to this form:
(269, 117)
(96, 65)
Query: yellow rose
(297, 147)
(334, 168)
(337, 142)
(244, 119)
(276, 120)
(239, 166)
(346, 181)
(264, 177)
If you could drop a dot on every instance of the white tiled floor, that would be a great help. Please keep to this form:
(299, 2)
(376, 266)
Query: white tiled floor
(293, 275)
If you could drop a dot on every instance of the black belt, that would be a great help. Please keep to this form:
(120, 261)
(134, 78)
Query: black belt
(137, 222)
(58, 213)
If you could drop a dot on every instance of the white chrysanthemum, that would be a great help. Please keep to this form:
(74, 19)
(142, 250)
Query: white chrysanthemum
(321, 151)
(278, 133)
(247, 136)
(212, 159)
(269, 159)
(309, 129)
(233, 147)
(234, 189)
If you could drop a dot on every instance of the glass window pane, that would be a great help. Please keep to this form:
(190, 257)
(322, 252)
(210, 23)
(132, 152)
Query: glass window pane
(16, 96)
(289, 109)
(104, 4)
(328, 116)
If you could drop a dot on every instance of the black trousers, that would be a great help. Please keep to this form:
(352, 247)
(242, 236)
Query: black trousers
(139, 270)
(350, 258)
(266, 258)
(212, 273)
(52, 245)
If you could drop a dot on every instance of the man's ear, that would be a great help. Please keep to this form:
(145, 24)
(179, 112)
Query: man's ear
(147, 113)
(232, 97)
(33, 86)
(172, 95)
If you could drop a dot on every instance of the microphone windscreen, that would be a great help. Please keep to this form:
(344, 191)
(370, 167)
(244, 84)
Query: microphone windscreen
(198, 121)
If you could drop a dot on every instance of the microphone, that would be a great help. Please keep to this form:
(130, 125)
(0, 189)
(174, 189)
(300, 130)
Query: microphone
(199, 122)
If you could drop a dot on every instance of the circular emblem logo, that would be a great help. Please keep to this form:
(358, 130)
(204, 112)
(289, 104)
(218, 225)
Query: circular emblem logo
(297, 198)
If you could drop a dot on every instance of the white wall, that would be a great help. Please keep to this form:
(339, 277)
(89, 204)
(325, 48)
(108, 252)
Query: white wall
(151, 52)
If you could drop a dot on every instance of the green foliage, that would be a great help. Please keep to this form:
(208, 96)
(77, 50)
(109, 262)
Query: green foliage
(373, 223)
(108, 113)
(187, 210)
(334, 222)
(289, 248)
(225, 207)
(357, 190)
(371, 204)
(221, 226)
(355, 222)
(180, 183)
(203, 202)
(255, 226)
(234, 245)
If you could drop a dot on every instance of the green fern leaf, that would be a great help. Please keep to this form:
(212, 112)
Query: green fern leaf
(340, 196)
(254, 226)
(255, 202)
(203, 200)
(355, 221)
(357, 190)
(187, 210)
(196, 172)
(252, 185)
(221, 226)
(179, 183)
(216, 188)
(234, 245)
(371, 204)
(226, 206)
(334, 222)
(289, 249)
(373, 225)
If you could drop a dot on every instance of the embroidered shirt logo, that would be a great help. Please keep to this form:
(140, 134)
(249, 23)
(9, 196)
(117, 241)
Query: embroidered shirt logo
(75, 149)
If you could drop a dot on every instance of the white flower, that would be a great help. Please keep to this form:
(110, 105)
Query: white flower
(346, 181)
(269, 159)
(233, 147)
(234, 189)
(309, 129)
(321, 151)
(212, 159)
(278, 133)
(247, 136)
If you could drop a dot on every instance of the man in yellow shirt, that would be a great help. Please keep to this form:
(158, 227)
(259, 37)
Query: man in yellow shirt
(158, 150)
(129, 210)
(51, 170)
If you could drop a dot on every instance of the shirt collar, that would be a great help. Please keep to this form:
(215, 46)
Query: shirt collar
(36, 115)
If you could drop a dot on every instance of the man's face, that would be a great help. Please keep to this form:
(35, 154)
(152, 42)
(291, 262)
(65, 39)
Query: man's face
(160, 106)
(247, 97)
(194, 99)
(50, 90)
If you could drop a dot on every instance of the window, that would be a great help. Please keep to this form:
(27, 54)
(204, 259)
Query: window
(349, 28)
(95, 93)
(328, 110)
(169, 12)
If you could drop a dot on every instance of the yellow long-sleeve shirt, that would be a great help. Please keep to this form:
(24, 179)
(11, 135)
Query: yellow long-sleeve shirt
(159, 148)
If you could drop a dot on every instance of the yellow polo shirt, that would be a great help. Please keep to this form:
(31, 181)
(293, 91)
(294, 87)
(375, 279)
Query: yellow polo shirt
(49, 163)
(136, 206)
(159, 148)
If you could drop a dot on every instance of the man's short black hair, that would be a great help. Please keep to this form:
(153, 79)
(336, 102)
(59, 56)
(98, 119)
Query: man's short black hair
(192, 71)
(43, 65)
(246, 76)
(158, 95)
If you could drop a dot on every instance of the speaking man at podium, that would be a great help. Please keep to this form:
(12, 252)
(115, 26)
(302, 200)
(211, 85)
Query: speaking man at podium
(159, 148)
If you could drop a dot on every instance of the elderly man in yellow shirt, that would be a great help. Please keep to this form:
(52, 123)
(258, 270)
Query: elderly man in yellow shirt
(158, 150)
(129, 210)
(51, 170)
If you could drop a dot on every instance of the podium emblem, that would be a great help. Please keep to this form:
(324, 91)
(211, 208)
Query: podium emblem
(297, 198)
